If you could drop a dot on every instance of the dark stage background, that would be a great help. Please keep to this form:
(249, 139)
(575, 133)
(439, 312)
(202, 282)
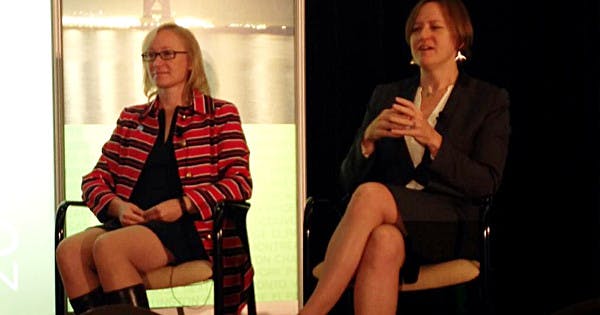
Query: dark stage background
(547, 217)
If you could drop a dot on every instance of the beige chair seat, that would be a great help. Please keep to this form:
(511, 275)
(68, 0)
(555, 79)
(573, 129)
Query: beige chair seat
(435, 275)
(180, 275)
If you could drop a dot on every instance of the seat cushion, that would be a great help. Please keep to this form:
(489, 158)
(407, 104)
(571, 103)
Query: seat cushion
(180, 275)
(444, 274)
(435, 275)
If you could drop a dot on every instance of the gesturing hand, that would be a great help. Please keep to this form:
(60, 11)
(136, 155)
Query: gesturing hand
(167, 211)
(417, 126)
(389, 120)
(382, 126)
(402, 119)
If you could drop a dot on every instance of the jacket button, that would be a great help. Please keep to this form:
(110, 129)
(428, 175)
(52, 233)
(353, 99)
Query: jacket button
(184, 116)
(188, 174)
(182, 143)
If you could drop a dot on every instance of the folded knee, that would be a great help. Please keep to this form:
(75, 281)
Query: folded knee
(104, 248)
(66, 250)
(385, 246)
(72, 252)
(370, 191)
(373, 197)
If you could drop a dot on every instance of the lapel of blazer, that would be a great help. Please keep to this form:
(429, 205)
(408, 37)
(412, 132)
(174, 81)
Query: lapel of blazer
(407, 89)
(452, 105)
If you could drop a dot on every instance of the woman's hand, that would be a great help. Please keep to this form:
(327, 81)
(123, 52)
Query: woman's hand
(385, 125)
(416, 125)
(167, 211)
(402, 119)
(127, 212)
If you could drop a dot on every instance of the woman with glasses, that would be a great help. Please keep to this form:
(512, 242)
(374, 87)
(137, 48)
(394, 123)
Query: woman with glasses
(167, 163)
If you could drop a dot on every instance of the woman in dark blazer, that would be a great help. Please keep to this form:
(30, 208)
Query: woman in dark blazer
(427, 148)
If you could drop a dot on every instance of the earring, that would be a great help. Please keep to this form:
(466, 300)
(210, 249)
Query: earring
(412, 62)
(460, 57)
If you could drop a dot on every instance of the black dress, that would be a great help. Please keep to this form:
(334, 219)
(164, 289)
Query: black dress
(159, 181)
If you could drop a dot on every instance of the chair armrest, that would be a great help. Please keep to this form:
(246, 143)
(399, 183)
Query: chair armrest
(235, 211)
(60, 219)
(321, 217)
(486, 230)
(321, 206)
(59, 235)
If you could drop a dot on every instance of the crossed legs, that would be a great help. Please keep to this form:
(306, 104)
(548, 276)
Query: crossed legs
(367, 244)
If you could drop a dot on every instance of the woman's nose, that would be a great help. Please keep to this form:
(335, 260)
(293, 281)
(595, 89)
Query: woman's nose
(157, 61)
(424, 32)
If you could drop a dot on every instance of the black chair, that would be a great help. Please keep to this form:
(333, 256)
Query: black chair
(181, 275)
(465, 285)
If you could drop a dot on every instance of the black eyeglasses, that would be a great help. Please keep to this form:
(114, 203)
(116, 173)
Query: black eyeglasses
(164, 54)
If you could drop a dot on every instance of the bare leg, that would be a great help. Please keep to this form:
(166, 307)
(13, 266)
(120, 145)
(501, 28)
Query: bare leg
(371, 206)
(75, 263)
(376, 285)
(122, 255)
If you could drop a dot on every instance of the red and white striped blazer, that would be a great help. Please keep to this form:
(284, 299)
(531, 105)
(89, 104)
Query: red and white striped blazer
(213, 163)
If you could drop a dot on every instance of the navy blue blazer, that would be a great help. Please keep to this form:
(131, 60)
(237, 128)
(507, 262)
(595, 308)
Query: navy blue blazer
(475, 127)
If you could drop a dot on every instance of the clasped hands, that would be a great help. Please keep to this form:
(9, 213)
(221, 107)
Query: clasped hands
(403, 118)
(130, 214)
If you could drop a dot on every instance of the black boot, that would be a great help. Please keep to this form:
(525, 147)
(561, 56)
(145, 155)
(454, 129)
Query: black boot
(134, 295)
(88, 301)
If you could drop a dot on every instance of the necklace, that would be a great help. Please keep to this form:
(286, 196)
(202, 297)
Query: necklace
(428, 91)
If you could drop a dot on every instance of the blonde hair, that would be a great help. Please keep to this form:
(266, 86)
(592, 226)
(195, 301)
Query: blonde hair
(457, 17)
(197, 76)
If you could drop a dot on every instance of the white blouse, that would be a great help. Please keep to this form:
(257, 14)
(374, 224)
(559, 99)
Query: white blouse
(416, 149)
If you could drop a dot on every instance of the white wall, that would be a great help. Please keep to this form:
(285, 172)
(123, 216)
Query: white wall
(26, 159)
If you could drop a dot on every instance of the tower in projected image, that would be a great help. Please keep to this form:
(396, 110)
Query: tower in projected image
(153, 16)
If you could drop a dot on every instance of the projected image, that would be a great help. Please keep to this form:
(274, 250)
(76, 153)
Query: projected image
(248, 48)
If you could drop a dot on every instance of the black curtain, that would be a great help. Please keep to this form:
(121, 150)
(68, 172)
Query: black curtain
(547, 251)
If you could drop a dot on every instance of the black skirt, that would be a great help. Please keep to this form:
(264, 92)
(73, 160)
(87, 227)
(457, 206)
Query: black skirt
(179, 237)
(159, 181)
(438, 228)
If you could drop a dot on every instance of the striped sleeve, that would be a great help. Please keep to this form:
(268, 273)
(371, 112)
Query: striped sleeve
(233, 180)
(98, 186)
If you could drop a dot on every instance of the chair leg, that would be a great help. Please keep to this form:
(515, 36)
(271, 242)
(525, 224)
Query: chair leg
(180, 310)
(251, 300)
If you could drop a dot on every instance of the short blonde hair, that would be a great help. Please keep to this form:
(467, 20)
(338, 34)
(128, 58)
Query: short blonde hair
(197, 77)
